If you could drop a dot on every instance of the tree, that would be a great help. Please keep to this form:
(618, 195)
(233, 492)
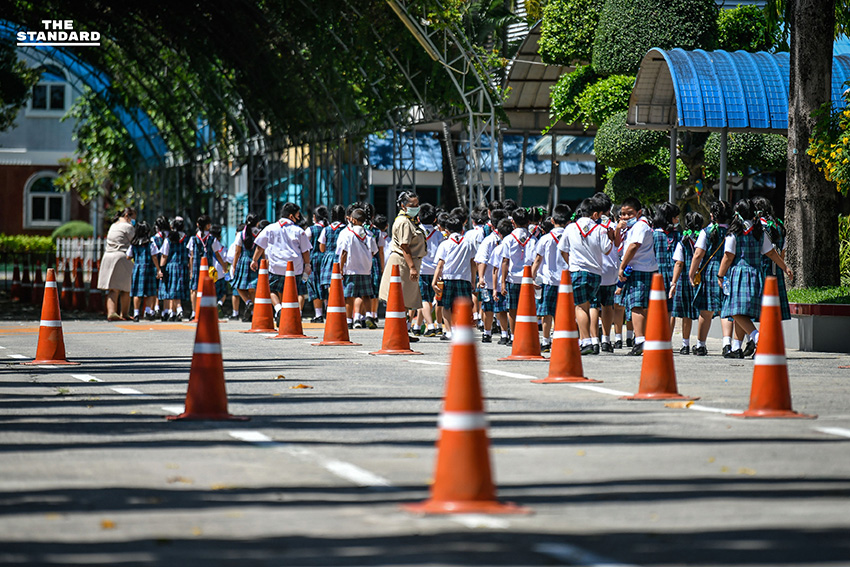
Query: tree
(567, 31)
(16, 82)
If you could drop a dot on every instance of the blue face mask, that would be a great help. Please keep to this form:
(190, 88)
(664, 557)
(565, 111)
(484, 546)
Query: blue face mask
(412, 211)
(631, 222)
(133, 222)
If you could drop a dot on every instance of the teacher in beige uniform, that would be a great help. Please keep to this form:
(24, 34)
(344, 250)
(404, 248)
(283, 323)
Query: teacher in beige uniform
(407, 249)
(116, 269)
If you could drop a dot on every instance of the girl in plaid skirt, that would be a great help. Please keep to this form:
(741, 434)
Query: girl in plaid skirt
(681, 290)
(143, 286)
(327, 246)
(162, 227)
(665, 237)
(314, 288)
(775, 230)
(244, 278)
(743, 251)
(174, 258)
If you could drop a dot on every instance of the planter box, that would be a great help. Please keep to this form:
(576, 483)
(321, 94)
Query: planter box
(822, 327)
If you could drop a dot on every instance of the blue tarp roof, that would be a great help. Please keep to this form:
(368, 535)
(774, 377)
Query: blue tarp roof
(700, 90)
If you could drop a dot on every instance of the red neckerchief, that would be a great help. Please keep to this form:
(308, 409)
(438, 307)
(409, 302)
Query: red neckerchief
(749, 230)
(358, 237)
(582, 233)
(490, 224)
(321, 224)
(284, 222)
(457, 241)
(518, 240)
(427, 238)
(336, 225)
(644, 221)
(202, 239)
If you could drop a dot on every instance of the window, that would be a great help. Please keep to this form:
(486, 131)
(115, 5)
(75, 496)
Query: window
(44, 205)
(48, 96)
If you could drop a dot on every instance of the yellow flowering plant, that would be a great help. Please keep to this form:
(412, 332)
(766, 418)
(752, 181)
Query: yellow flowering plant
(829, 148)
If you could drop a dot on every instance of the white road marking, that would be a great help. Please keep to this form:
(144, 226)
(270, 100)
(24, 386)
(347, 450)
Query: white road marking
(481, 521)
(364, 351)
(86, 378)
(509, 374)
(345, 471)
(432, 362)
(834, 431)
(127, 391)
(600, 389)
(176, 410)
(2, 348)
(16, 356)
(698, 407)
(576, 556)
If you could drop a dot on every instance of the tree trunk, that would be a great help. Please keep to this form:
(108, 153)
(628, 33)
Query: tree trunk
(521, 183)
(810, 200)
(450, 180)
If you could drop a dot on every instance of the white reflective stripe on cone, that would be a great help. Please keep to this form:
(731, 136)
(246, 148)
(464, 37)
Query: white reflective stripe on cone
(207, 348)
(289, 306)
(263, 301)
(526, 319)
(44, 323)
(656, 295)
(49, 284)
(462, 421)
(395, 279)
(527, 281)
(770, 301)
(463, 335)
(261, 272)
(335, 310)
(564, 288)
(770, 359)
(657, 345)
(336, 276)
(208, 302)
(290, 274)
(565, 335)
(395, 315)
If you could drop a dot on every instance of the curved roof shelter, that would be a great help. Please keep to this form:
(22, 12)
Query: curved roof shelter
(718, 90)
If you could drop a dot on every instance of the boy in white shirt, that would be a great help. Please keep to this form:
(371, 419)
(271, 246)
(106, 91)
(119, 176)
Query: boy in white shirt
(485, 285)
(584, 246)
(517, 252)
(433, 239)
(284, 241)
(639, 253)
(455, 265)
(549, 264)
(605, 298)
(501, 304)
(355, 248)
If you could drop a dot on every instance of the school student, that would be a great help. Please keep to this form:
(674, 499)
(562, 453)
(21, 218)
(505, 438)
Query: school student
(314, 287)
(665, 236)
(162, 227)
(639, 253)
(327, 246)
(284, 241)
(517, 252)
(143, 288)
(681, 290)
(356, 248)
(244, 278)
(775, 231)
(485, 287)
(202, 244)
(744, 248)
(222, 286)
(548, 264)
(433, 239)
(501, 303)
(602, 308)
(583, 247)
(455, 266)
(174, 263)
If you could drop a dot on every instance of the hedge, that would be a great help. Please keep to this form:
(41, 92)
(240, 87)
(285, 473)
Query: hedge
(25, 243)
(567, 31)
(565, 93)
(643, 181)
(606, 97)
(74, 229)
(617, 146)
(764, 152)
(629, 28)
(744, 27)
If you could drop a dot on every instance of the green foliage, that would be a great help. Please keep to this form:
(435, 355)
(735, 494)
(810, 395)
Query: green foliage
(16, 82)
(565, 94)
(25, 243)
(837, 294)
(629, 28)
(763, 152)
(73, 229)
(603, 99)
(829, 146)
(745, 27)
(844, 249)
(642, 181)
(618, 146)
(567, 31)
(661, 160)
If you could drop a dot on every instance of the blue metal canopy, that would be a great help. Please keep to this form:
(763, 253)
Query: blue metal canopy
(719, 90)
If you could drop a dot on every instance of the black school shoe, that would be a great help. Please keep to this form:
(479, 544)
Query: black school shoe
(319, 319)
(486, 338)
(630, 343)
(607, 347)
(596, 348)
(685, 350)
(546, 347)
(504, 340)
(637, 350)
(588, 349)
(726, 350)
(700, 351)
(736, 354)
(135, 318)
(750, 349)
(618, 344)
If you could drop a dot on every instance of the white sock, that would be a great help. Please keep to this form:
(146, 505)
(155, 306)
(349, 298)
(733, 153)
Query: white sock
(430, 327)
(727, 341)
(505, 334)
(234, 313)
(487, 333)
(686, 342)
(349, 321)
(618, 337)
(640, 340)
(736, 344)
(148, 310)
(701, 344)
(448, 334)
(135, 312)
(167, 312)
(594, 340)
(583, 342)
(606, 339)
(319, 311)
(277, 308)
(754, 336)
(476, 316)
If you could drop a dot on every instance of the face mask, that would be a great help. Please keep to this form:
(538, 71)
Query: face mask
(133, 222)
(631, 222)
(412, 211)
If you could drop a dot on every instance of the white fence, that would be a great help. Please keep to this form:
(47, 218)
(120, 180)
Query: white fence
(89, 249)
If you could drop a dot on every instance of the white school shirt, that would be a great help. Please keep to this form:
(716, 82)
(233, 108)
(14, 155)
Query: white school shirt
(284, 241)
(216, 246)
(553, 263)
(323, 239)
(166, 244)
(388, 243)
(702, 239)
(360, 247)
(587, 243)
(483, 255)
(476, 233)
(731, 243)
(611, 261)
(644, 259)
(154, 250)
(518, 247)
(433, 239)
(495, 261)
(231, 250)
(457, 253)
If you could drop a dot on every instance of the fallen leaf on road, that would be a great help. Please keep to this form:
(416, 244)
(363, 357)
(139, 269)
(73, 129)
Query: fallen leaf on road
(280, 377)
(844, 367)
(222, 487)
(107, 524)
(678, 405)
(724, 469)
(581, 453)
(747, 471)
(711, 459)
(180, 479)
(196, 531)
(301, 387)
(53, 516)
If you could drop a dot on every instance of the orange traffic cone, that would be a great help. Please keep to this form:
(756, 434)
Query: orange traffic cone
(203, 275)
(395, 340)
(336, 327)
(565, 362)
(771, 393)
(51, 343)
(463, 483)
(206, 398)
(526, 345)
(78, 299)
(16, 291)
(67, 293)
(262, 320)
(290, 311)
(26, 285)
(37, 284)
(657, 373)
(95, 295)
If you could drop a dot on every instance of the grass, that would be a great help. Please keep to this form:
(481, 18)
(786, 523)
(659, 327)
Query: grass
(837, 294)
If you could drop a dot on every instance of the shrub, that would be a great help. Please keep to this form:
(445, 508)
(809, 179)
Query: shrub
(566, 34)
(74, 229)
(617, 146)
(564, 95)
(629, 28)
(643, 181)
(25, 243)
(744, 27)
(764, 152)
(606, 97)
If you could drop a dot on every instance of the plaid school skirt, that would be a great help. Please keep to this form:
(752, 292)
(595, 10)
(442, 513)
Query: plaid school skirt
(513, 290)
(501, 303)
(174, 281)
(376, 276)
(745, 287)
(425, 289)
(683, 300)
(585, 286)
(357, 285)
(314, 284)
(221, 289)
(276, 283)
(143, 283)
(708, 296)
(453, 289)
(636, 291)
(487, 306)
(548, 301)
(604, 296)
(244, 277)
